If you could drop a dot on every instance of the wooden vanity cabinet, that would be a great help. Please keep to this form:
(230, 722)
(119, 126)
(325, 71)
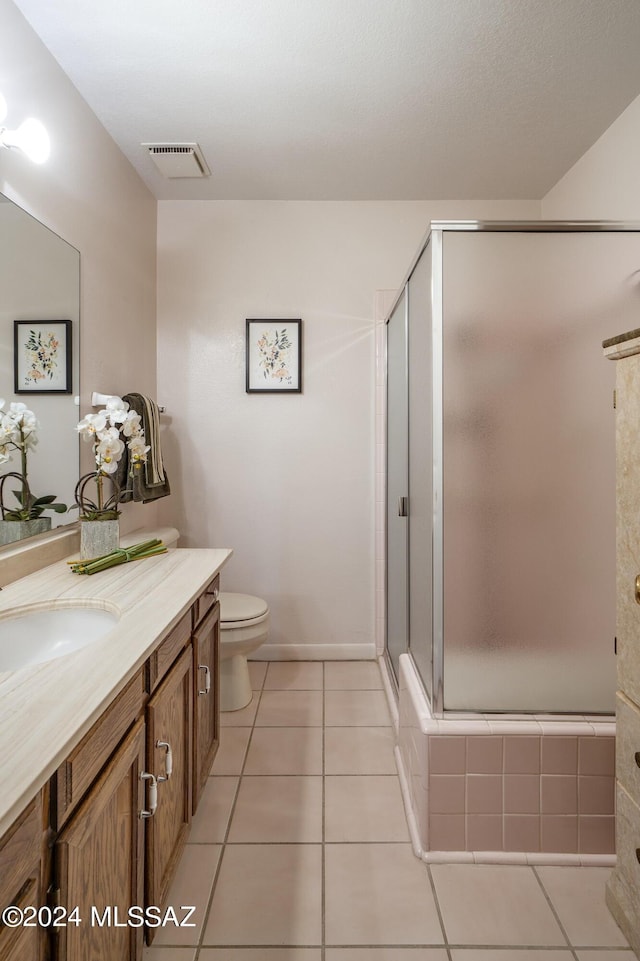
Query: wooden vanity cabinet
(98, 862)
(79, 771)
(169, 729)
(22, 855)
(94, 838)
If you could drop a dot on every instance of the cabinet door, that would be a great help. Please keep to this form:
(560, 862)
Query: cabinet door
(20, 860)
(169, 759)
(98, 861)
(206, 706)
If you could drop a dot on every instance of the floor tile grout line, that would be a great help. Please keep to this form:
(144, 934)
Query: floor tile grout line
(438, 911)
(228, 827)
(523, 947)
(554, 912)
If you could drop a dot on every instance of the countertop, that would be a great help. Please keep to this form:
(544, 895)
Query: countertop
(46, 709)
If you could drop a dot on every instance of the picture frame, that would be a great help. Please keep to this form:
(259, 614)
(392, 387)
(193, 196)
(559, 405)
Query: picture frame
(42, 356)
(274, 356)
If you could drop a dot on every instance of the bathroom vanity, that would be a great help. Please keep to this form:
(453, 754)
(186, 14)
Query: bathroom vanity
(105, 755)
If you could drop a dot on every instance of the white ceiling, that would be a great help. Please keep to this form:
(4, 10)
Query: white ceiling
(352, 99)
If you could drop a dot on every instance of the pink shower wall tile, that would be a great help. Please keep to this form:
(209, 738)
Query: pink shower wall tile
(597, 755)
(596, 834)
(559, 794)
(447, 832)
(446, 793)
(559, 833)
(560, 755)
(484, 832)
(519, 793)
(521, 832)
(447, 755)
(521, 754)
(596, 795)
(522, 795)
(484, 793)
(484, 755)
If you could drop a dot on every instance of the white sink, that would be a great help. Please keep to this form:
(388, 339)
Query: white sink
(34, 636)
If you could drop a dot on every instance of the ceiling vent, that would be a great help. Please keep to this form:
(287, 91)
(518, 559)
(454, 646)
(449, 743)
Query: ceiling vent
(175, 160)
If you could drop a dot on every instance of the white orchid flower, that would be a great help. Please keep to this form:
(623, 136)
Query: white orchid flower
(106, 430)
(28, 422)
(138, 449)
(108, 453)
(110, 446)
(131, 426)
(108, 434)
(116, 403)
(9, 430)
(5, 454)
(107, 466)
(90, 425)
(116, 410)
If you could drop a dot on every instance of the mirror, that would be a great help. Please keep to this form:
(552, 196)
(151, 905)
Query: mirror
(40, 281)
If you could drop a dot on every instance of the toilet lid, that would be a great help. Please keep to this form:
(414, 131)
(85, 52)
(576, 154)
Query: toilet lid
(241, 607)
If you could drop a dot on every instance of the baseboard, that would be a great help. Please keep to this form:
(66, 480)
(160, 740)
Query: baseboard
(315, 652)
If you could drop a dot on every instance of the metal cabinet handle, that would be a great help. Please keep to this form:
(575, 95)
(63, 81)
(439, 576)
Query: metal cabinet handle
(153, 795)
(168, 761)
(207, 678)
(637, 589)
(403, 507)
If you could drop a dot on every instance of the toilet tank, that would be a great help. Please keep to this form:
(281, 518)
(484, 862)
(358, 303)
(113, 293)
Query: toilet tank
(168, 535)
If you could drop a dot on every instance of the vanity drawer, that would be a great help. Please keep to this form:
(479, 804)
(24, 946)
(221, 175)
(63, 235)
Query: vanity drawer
(85, 762)
(20, 851)
(628, 746)
(207, 600)
(164, 656)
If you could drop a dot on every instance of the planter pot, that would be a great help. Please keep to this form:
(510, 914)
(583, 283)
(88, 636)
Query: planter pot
(98, 538)
(11, 531)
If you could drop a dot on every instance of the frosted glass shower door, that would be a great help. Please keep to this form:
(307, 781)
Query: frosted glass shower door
(421, 468)
(529, 466)
(397, 484)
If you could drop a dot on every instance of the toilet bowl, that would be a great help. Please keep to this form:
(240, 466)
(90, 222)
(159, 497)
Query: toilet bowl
(244, 626)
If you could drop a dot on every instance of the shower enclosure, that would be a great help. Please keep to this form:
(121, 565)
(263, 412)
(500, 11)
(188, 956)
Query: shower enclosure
(501, 464)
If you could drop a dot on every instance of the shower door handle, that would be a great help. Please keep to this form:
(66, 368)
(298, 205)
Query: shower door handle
(403, 507)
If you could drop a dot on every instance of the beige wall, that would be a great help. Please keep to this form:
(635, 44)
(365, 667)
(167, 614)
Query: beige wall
(604, 184)
(90, 195)
(287, 481)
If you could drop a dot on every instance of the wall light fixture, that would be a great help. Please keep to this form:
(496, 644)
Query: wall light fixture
(31, 137)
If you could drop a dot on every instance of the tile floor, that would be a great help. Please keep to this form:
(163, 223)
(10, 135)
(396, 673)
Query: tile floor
(300, 850)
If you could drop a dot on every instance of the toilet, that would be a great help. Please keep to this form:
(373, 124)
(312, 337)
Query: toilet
(244, 626)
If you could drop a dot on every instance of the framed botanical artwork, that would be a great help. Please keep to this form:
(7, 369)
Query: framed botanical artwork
(274, 356)
(42, 356)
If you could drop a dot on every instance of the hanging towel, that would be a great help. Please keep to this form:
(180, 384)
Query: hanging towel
(151, 482)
